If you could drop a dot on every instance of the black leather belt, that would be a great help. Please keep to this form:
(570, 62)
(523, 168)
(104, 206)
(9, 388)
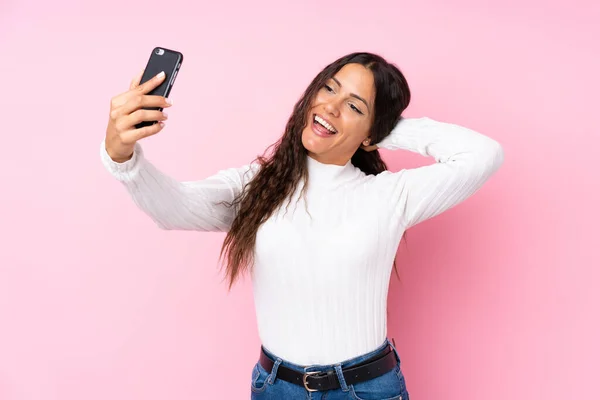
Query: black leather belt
(315, 381)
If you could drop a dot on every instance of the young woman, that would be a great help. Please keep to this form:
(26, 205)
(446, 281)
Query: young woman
(317, 222)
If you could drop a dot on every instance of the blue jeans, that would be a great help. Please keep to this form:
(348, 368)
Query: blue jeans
(389, 386)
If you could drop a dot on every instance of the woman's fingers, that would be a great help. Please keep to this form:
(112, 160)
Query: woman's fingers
(135, 92)
(135, 82)
(150, 84)
(127, 122)
(133, 135)
(369, 148)
(138, 102)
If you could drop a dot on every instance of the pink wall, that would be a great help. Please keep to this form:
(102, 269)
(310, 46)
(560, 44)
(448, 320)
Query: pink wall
(498, 297)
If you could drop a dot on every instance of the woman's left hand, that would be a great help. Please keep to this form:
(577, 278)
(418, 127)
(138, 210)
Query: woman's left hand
(369, 148)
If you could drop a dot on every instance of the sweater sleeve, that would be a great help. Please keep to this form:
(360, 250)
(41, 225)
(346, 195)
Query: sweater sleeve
(175, 205)
(465, 160)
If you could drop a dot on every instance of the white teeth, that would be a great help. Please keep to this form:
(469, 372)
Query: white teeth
(325, 124)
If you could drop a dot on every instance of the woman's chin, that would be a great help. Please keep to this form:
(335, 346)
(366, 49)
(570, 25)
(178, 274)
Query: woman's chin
(313, 145)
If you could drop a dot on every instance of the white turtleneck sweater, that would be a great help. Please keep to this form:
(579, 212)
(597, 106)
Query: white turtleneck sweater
(320, 278)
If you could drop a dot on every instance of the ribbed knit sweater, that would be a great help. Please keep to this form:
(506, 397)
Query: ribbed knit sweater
(322, 269)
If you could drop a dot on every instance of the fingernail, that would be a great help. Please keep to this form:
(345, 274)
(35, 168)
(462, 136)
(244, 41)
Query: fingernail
(160, 74)
(162, 124)
(165, 115)
(169, 101)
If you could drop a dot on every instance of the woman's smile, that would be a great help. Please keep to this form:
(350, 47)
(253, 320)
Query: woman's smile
(322, 127)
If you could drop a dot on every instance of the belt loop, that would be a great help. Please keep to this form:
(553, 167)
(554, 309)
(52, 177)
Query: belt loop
(273, 374)
(340, 375)
(393, 345)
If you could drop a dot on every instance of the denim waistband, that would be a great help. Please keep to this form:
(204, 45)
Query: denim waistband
(344, 364)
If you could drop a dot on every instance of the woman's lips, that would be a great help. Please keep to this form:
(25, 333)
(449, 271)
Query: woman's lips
(320, 130)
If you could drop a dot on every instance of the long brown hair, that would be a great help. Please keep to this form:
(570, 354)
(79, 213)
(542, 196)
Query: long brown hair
(282, 170)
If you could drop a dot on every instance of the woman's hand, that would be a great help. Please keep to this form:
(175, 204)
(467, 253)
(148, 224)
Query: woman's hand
(369, 148)
(126, 111)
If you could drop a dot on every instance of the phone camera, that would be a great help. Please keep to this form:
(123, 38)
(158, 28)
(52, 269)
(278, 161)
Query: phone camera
(160, 52)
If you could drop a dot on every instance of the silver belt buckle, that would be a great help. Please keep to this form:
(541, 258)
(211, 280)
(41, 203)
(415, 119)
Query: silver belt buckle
(304, 378)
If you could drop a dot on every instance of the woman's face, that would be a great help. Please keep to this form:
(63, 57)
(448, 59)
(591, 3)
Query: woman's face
(341, 115)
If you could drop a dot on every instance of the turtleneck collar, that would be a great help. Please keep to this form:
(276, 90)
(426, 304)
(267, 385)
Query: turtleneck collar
(320, 174)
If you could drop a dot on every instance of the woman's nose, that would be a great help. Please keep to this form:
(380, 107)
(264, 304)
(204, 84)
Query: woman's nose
(333, 108)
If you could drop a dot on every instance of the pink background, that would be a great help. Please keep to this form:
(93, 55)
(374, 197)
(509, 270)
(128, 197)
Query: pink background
(498, 297)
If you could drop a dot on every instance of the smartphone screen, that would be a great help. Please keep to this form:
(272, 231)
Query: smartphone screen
(161, 59)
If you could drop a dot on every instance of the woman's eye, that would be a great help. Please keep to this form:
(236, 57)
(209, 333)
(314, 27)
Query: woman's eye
(328, 88)
(355, 108)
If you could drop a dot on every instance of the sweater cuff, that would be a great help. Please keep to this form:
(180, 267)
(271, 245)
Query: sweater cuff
(124, 171)
(401, 135)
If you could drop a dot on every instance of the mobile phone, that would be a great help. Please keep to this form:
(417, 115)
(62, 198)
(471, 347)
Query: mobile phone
(161, 59)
